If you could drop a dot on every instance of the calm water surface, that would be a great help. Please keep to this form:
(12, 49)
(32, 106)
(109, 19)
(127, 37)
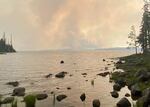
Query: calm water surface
(29, 68)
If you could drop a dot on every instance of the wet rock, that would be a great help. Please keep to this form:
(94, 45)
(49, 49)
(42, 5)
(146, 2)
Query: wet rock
(7, 100)
(20, 91)
(48, 76)
(114, 94)
(116, 87)
(83, 97)
(96, 103)
(62, 62)
(15, 83)
(127, 95)
(41, 96)
(136, 92)
(61, 97)
(104, 74)
(124, 102)
(61, 74)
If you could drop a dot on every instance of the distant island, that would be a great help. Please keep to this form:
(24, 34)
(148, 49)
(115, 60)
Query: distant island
(6, 47)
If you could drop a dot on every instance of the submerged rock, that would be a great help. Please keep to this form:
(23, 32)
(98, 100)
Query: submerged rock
(41, 96)
(114, 94)
(96, 103)
(124, 102)
(15, 83)
(61, 97)
(20, 91)
(7, 100)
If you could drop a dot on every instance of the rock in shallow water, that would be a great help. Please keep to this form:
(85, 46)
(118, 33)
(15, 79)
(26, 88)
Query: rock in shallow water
(15, 83)
(48, 76)
(83, 97)
(124, 102)
(104, 74)
(61, 74)
(96, 103)
(61, 97)
(41, 96)
(116, 87)
(114, 94)
(62, 62)
(20, 91)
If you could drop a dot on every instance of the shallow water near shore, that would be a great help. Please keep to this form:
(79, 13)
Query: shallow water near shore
(29, 68)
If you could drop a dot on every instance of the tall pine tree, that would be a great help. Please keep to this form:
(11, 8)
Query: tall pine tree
(144, 37)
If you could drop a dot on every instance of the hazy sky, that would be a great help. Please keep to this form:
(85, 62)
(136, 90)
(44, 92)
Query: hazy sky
(69, 24)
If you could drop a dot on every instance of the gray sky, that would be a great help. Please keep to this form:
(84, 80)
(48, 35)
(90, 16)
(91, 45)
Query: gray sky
(69, 24)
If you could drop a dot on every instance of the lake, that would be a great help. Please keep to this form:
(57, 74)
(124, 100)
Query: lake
(30, 68)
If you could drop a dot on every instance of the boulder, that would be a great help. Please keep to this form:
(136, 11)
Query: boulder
(136, 92)
(20, 91)
(61, 97)
(41, 96)
(15, 83)
(61, 74)
(124, 102)
(114, 94)
(96, 103)
(7, 100)
(116, 87)
(83, 97)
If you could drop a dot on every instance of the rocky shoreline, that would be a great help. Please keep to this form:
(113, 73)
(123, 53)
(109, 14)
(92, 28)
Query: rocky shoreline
(136, 77)
(30, 99)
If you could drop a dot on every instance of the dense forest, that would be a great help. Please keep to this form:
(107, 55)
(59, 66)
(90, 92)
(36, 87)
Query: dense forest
(6, 47)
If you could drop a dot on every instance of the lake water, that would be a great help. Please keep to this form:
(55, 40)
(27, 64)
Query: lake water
(29, 68)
